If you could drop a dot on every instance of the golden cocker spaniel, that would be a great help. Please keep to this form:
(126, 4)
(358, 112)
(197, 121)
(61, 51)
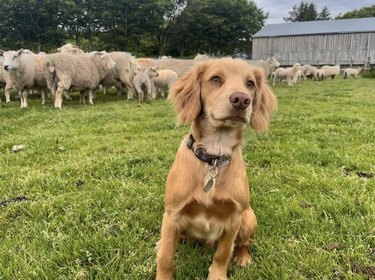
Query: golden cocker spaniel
(207, 191)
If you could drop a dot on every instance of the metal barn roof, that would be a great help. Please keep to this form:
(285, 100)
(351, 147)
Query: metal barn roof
(356, 25)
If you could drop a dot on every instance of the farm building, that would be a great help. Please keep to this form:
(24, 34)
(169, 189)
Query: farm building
(345, 42)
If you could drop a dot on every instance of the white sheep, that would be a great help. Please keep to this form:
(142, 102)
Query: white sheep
(309, 71)
(297, 76)
(70, 48)
(122, 76)
(2, 72)
(331, 71)
(142, 78)
(286, 74)
(5, 81)
(25, 71)
(269, 65)
(320, 74)
(166, 78)
(81, 72)
(201, 56)
(352, 72)
(180, 66)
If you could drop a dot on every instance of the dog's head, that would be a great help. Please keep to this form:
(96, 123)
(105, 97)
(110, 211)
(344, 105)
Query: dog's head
(228, 92)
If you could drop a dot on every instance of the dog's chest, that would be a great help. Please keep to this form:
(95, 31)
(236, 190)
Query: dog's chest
(207, 223)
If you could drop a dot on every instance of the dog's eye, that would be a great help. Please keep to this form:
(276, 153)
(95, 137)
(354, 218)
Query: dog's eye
(216, 80)
(250, 84)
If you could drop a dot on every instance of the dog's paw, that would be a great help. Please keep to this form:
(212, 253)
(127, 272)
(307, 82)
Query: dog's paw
(215, 274)
(243, 261)
(242, 256)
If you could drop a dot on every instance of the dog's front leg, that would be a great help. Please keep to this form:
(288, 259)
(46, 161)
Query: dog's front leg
(168, 244)
(219, 266)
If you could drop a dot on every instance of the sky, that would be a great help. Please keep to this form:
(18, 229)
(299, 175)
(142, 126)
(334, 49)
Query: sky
(277, 9)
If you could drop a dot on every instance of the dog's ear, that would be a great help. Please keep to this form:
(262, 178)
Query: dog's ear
(186, 96)
(264, 102)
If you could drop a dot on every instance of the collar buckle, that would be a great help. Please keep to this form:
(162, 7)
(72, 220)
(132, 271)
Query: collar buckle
(200, 153)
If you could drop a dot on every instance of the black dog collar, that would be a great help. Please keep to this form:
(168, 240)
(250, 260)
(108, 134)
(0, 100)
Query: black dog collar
(201, 154)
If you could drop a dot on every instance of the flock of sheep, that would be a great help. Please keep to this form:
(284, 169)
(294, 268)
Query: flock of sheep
(71, 69)
(297, 72)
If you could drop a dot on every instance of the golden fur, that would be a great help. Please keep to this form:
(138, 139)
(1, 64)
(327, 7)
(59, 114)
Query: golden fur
(206, 96)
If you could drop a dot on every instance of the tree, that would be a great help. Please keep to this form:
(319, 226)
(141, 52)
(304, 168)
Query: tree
(29, 23)
(307, 12)
(168, 11)
(142, 27)
(324, 14)
(361, 13)
(220, 27)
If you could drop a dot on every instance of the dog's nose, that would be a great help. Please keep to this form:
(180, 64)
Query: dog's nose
(240, 100)
(6, 67)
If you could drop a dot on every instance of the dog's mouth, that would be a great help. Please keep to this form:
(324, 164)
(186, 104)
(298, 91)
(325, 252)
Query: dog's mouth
(232, 119)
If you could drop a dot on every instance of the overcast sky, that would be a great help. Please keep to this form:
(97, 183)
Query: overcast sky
(277, 9)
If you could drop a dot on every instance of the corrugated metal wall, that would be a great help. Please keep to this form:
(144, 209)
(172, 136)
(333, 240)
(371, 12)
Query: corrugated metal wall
(346, 49)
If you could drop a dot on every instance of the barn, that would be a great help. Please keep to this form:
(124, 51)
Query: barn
(344, 42)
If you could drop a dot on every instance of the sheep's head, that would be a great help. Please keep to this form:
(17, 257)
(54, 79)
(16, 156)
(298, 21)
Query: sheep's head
(273, 63)
(104, 59)
(12, 60)
(153, 72)
(137, 68)
(70, 48)
(297, 67)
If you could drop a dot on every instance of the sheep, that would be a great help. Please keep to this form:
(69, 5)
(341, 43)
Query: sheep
(148, 62)
(81, 72)
(286, 73)
(2, 73)
(5, 80)
(352, 72)
(268, 66)
(320, 74)
(166, 78)
(309, 71)
(297, 76)
(25, 71)
(180, 66)
(201, 56)
(332, 71)
(142, 77)
(123, 75)
(70, 48)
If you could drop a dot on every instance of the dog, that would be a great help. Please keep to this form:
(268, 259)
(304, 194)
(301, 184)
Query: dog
(207, 191)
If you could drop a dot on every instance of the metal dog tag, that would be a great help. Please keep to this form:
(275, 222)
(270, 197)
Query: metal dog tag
(213, 172)
(209, 185)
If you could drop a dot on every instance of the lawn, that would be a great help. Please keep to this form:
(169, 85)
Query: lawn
(84, 198)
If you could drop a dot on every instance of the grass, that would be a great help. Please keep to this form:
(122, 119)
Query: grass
(84, 199)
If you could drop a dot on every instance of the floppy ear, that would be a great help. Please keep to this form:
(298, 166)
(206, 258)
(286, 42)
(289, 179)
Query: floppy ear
(264, 103)
(186, 96)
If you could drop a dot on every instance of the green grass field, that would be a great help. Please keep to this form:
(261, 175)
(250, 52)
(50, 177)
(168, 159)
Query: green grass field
(84, 199)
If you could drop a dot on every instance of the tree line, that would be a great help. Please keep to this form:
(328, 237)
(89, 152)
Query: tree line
(180, 28)
(308, 12)
(142, 27)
